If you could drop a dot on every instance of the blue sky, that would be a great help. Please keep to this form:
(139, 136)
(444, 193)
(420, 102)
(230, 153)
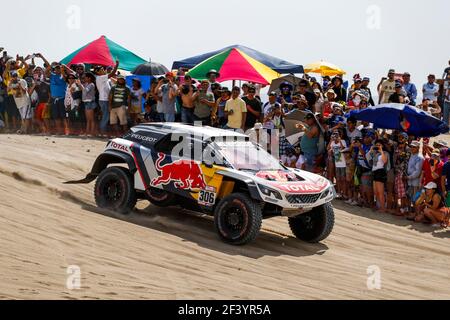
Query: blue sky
(367, 37)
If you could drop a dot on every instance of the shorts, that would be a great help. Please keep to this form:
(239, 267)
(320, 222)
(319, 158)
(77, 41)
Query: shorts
(11, 108)
(25, 113)
(58, 109)
(40, 109)
(367, 179)
(118, 115)
(90, 105)
(380, 175)
(341, 172)
(135, 109)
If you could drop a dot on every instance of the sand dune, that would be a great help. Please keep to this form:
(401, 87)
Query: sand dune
(46, 226)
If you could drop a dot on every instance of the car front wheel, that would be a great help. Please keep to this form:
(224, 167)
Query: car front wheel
(313, 226)
(238, 219)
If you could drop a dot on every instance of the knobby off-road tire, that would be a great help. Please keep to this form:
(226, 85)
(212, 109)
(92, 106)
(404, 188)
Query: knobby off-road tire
(313, 226)
(238, 219)
(114, 190)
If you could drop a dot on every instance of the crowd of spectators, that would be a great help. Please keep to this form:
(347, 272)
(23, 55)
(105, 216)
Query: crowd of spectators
(388, 171)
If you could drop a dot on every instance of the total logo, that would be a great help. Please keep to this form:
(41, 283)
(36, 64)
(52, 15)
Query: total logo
(300, 187)
(119, 147)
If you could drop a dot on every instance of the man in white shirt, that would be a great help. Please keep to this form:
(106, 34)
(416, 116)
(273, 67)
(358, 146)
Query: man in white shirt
(431, 89)
(103, 83)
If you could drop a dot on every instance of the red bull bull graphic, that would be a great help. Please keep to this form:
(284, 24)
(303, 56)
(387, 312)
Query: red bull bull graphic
(185, 174)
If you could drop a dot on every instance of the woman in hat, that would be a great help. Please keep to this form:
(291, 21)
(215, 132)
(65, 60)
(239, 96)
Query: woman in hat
(327, 107)
(430, 207)
(338, 88)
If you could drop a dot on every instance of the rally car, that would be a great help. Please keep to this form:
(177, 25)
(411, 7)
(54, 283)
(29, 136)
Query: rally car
(214, 171)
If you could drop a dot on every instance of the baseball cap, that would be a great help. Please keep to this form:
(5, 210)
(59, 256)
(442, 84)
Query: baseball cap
(431, 185)
(370, 134)
(272, 93)
(309, 116)
(415, 144)
(398, 85)
(391, 71)
(169, 74)
(366, 79)
(435, 153)
(406, 74)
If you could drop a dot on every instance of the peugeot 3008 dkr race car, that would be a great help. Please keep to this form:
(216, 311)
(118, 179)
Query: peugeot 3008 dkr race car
(213, 171)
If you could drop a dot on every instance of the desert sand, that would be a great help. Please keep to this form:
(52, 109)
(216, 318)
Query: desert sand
(46, 226)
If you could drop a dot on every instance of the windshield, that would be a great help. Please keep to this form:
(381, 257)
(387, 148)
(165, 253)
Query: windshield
(248, 156)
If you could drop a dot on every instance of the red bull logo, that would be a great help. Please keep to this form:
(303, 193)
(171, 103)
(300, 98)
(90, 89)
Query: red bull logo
(185, 174)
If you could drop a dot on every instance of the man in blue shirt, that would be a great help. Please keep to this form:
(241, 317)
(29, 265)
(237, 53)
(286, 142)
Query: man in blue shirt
(58, 87)
(410, 88)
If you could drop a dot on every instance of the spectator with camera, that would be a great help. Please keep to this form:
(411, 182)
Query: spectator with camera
(203, 104)
(168, 91)
(186, 92)
(19, 89)
(42, 89)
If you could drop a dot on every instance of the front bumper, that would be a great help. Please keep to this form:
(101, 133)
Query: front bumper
(294, 204)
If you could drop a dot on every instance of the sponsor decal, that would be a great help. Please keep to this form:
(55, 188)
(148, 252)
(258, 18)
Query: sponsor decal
(185, 174)
(119, 147)
(143, 138)
(301, 187)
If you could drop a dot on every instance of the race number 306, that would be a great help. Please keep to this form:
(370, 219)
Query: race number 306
(207, 197)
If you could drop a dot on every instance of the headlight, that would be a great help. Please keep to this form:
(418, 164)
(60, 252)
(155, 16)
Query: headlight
(270, 192)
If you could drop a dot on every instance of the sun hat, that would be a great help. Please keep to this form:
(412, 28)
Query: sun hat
(213, 71)
(431, 185)
(332, 92)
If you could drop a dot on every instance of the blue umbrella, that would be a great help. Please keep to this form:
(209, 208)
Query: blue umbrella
(391, 116)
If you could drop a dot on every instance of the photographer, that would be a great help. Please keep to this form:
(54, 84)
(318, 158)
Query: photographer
(19, 89)
(380, 161)
(187, 91)
(168, 91)
(42, 89)
(203, 104)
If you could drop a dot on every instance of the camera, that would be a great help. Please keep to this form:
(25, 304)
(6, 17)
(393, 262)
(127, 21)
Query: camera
(185, 89)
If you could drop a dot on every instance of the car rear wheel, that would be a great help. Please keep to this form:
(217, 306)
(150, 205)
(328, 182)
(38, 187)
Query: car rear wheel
(313, 226)
(114, 190)
(238, 219)
(160, 198)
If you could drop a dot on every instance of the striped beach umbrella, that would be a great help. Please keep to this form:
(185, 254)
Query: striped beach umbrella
(235, 64)
(104, 51)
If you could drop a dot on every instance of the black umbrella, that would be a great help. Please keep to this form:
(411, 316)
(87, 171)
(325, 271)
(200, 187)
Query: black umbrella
(150, 69)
